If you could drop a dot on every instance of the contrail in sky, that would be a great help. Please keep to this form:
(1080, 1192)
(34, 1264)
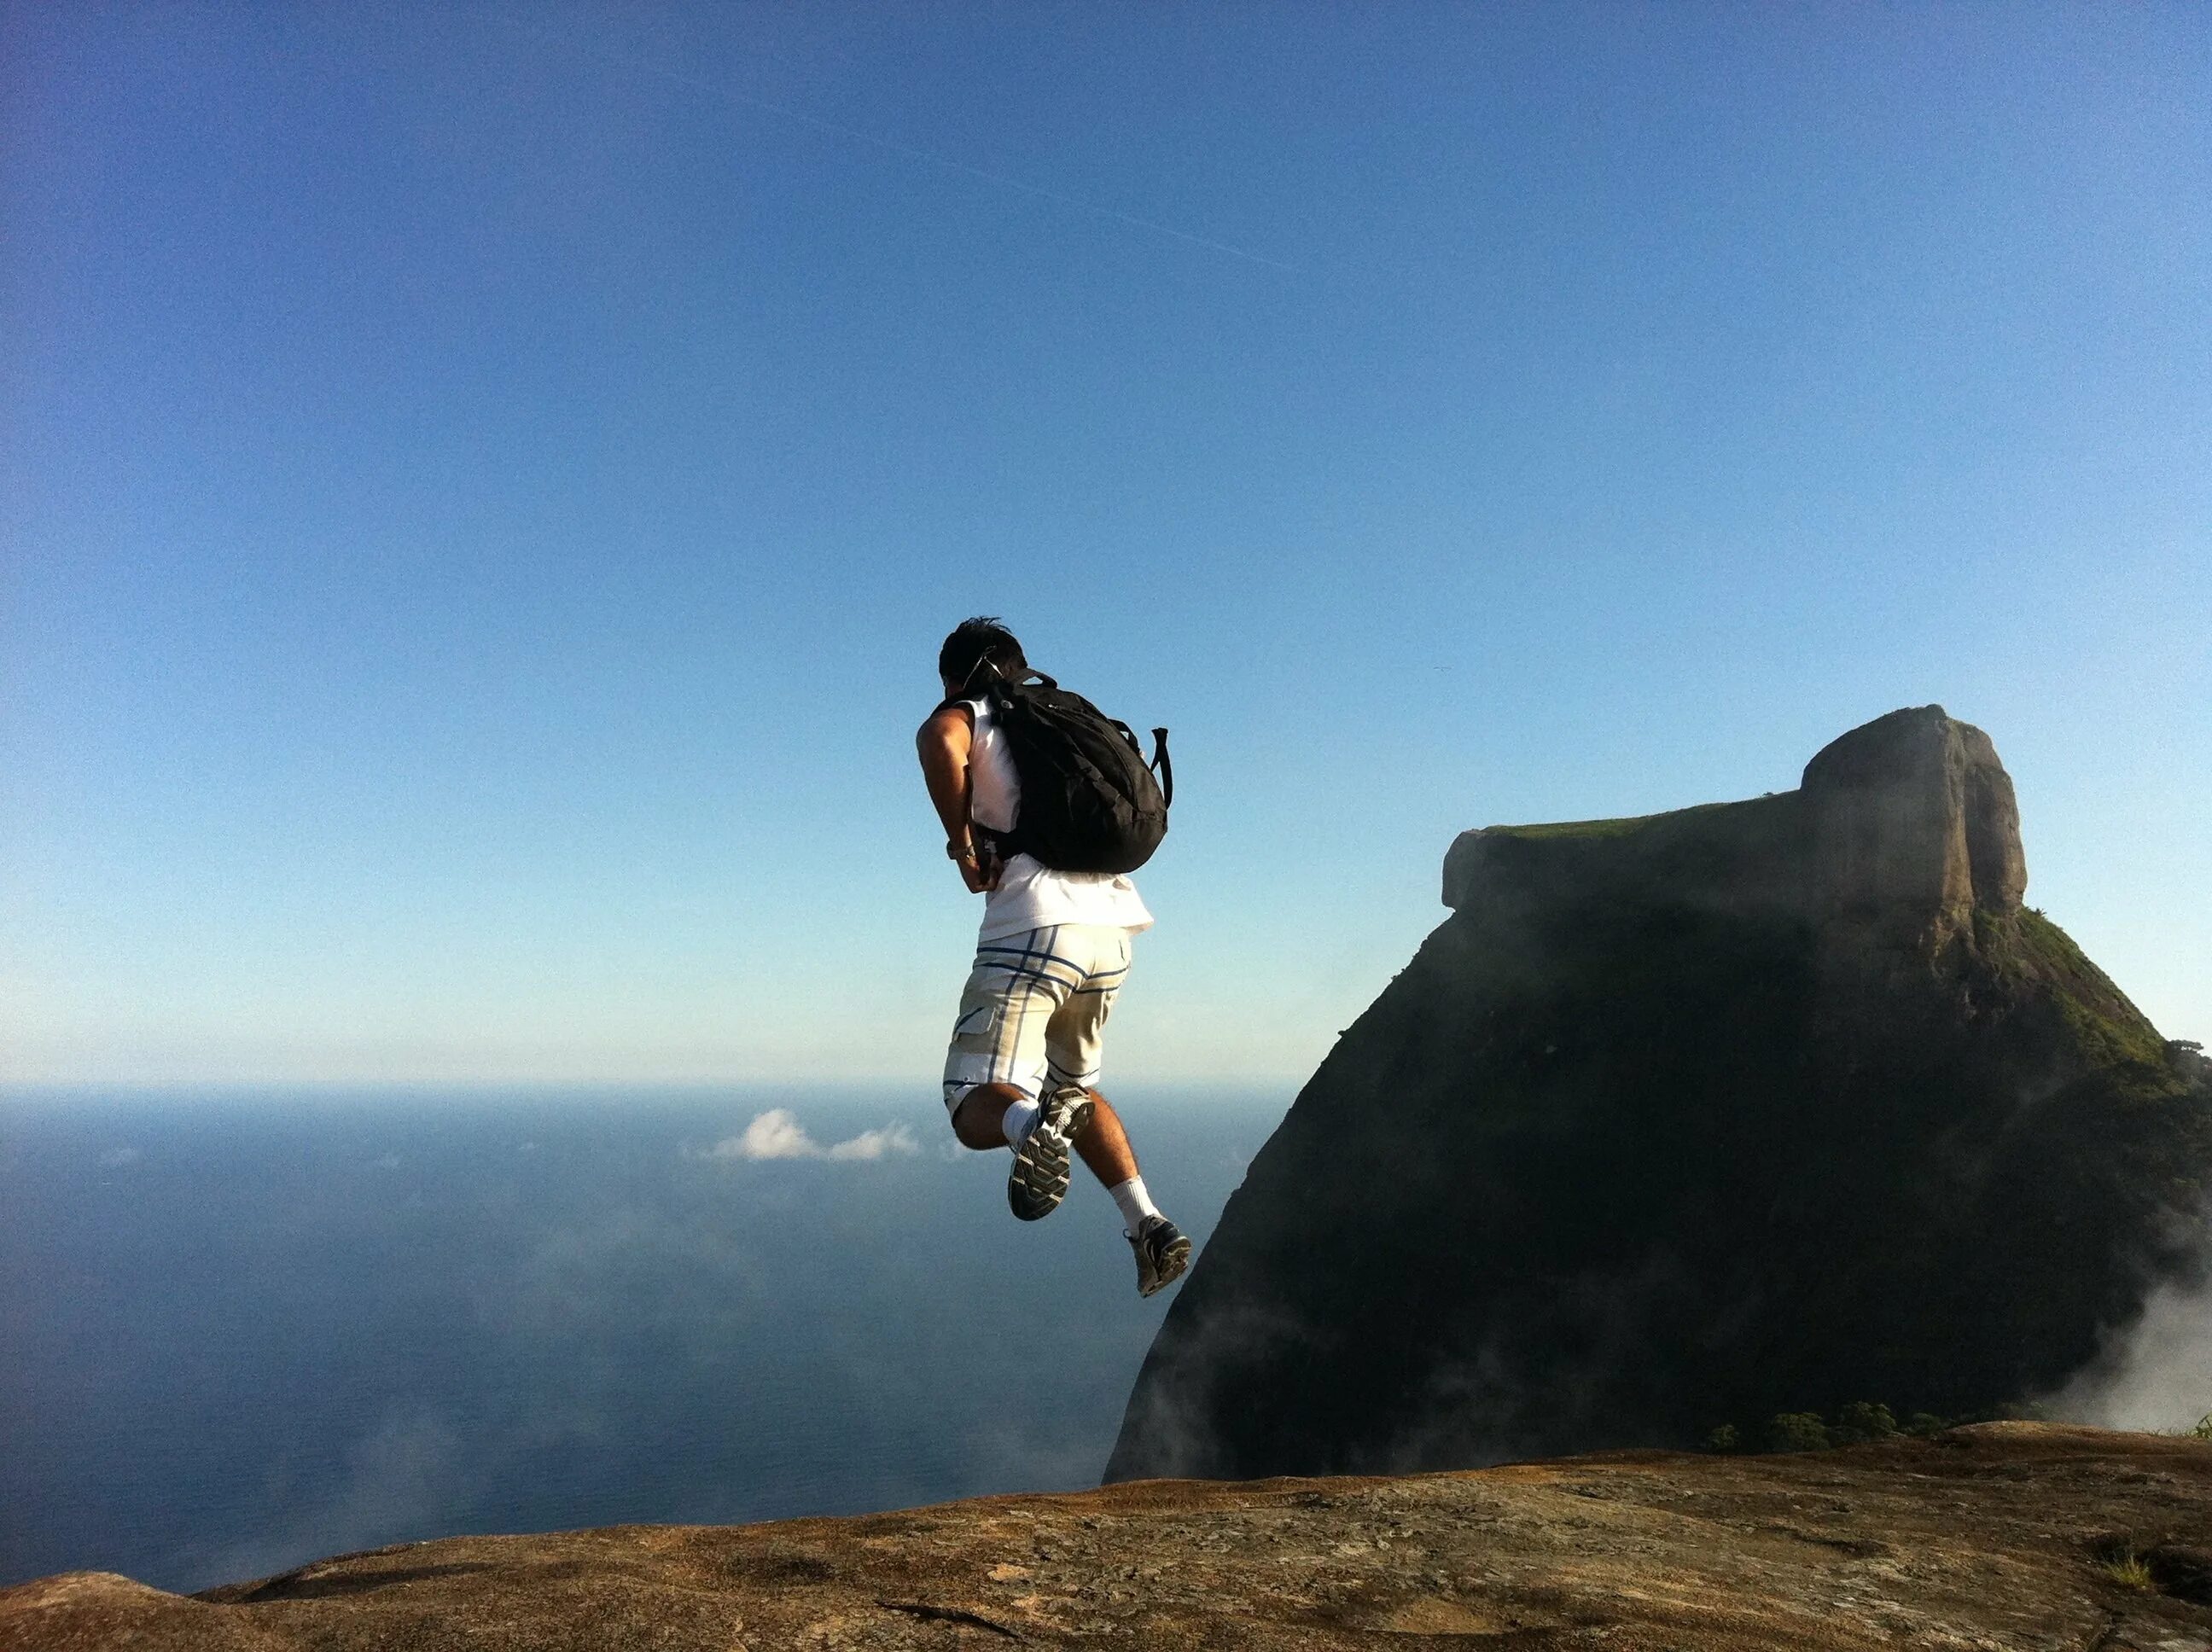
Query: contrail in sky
(929, 157)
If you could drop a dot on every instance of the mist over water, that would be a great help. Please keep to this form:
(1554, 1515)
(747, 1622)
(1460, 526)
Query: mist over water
(247, 1331)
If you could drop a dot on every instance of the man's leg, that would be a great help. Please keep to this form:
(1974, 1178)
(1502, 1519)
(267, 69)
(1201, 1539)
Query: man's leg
(1072, 1055)
(993, 1070)
(1071, 1045)
(1042, 1141)
(1104, 1144)
(981, 1120)
(1163, 1252)
(996, 1058)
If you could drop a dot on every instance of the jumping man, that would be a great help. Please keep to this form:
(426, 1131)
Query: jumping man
(1053, 949)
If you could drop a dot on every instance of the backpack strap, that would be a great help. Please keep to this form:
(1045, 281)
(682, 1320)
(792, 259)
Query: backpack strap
(1006, 684)
(1160, 765)
(985, 665)
(995, 679)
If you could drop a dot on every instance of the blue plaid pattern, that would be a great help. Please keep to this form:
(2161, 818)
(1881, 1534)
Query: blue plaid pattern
(1033, 1008)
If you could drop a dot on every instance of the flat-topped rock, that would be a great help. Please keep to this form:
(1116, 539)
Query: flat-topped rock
(1905, 825)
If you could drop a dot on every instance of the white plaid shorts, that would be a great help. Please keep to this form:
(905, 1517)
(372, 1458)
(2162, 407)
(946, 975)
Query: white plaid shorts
(1033, 1008)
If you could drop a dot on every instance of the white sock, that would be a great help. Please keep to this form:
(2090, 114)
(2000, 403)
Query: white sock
(1021, 1119)
(1136, 1204)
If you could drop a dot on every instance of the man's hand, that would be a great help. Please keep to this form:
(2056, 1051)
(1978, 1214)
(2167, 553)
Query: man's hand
(980, 871)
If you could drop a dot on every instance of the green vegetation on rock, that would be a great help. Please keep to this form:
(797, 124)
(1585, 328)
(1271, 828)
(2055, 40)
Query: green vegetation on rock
(1860, 1421)
(1797, 1431)
(2026, 949)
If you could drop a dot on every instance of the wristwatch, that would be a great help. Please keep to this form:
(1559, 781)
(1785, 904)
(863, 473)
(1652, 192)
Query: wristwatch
(958, 851)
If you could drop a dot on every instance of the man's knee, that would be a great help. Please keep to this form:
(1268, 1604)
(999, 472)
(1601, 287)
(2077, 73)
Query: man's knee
(977, 1126)
(979, 1119)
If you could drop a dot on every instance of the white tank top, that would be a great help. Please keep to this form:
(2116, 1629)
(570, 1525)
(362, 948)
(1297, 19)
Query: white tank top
(1030, 895)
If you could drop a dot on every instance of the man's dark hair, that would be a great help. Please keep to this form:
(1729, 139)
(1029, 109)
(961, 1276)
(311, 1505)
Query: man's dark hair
(973, 642)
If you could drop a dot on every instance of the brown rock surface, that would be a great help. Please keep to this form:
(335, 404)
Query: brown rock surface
(1999, 1536)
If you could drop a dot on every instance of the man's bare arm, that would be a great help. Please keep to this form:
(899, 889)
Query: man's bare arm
(943, 743)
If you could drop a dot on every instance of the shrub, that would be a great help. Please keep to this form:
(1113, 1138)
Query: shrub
(1723, 1439)
(2130, 1571)
(1864, 1419)
(2204, 1429)
(1796, 1430)
(1925, 1425)
(2122, 1562)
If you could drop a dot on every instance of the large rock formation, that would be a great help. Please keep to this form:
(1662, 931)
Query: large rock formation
(1695, 1119)
(2006, 1536)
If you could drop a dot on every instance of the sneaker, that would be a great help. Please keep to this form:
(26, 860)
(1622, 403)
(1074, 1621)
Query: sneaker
(1163, 1253)
(1038, 1181)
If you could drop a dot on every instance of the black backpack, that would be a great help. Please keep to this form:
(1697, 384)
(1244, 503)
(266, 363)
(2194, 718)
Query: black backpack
(1089, 800)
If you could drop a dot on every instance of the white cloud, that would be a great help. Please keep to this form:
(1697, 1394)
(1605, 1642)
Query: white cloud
(114, 1158)
(876, 1143)
(773, 1134)
(777, 1133)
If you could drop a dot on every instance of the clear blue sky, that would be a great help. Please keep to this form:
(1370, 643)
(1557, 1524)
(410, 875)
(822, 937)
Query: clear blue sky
(485, 487)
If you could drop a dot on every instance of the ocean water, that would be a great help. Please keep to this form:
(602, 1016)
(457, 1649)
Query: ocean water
(239, 1331)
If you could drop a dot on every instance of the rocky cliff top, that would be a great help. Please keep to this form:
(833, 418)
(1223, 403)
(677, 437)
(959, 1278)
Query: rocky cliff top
(2004, 1535)
(1907, 824)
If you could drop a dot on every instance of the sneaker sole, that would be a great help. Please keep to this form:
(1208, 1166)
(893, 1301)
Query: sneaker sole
(1173, 1261)
(1039, 1179)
